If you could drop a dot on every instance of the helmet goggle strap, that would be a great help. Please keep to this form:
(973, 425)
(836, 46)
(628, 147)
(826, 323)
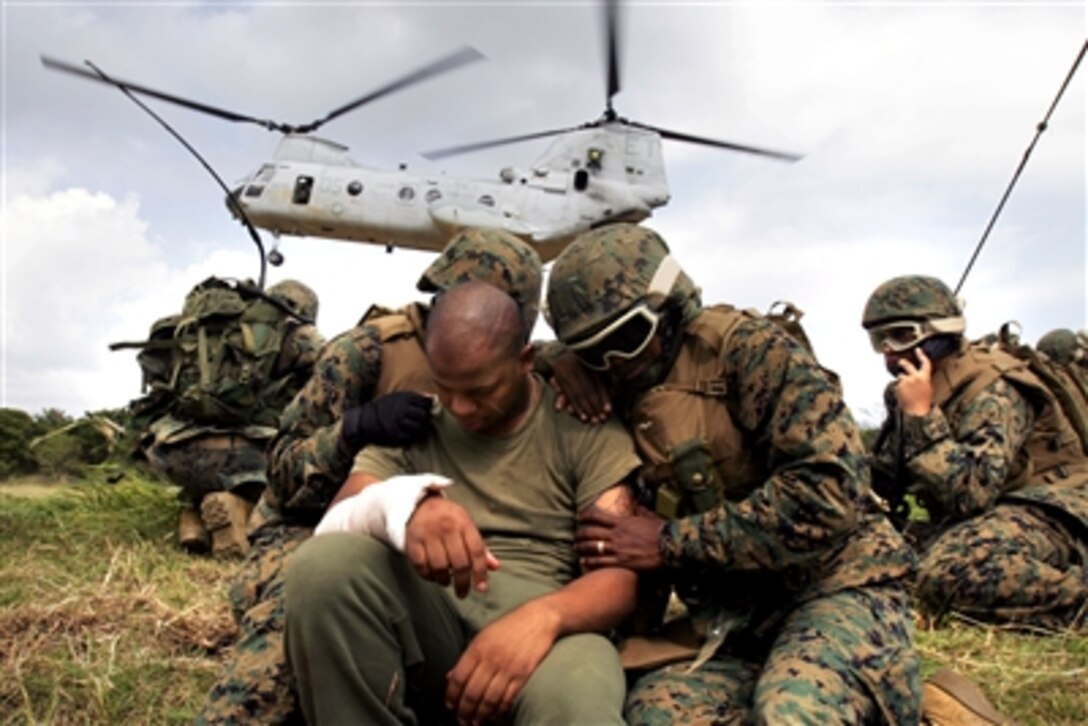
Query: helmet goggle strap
(629, 334)
(901, 335)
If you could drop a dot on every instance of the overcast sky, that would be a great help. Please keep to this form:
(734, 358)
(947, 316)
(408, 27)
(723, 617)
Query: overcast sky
(911, 117)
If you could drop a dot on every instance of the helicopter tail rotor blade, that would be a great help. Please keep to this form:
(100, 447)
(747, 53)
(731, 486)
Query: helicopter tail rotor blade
(464, 148)
(59, 65)
(611, 21)
(458, 58)
(691, 139)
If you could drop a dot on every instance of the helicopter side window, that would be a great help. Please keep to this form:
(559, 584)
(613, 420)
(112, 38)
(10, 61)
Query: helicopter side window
(581, 180)
(304, 185)
(594, 156)
(433, 195)
(487, 200)
(406, 194)
(355, 188)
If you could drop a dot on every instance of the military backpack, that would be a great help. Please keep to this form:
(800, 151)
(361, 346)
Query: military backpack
(1067, 381)
(215, 362)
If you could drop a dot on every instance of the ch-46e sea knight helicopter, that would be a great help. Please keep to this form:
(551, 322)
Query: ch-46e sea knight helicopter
(606, 170)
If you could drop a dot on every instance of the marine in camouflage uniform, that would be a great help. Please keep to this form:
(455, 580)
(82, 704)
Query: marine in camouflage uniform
(207, 459)
(765, 525)
(981, 442)
(310, 459)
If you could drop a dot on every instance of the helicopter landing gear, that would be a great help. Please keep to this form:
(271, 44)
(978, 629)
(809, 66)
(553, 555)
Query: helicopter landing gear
(275, 258)
(388, 249)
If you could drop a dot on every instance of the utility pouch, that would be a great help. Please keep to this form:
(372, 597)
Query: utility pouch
(694, 473)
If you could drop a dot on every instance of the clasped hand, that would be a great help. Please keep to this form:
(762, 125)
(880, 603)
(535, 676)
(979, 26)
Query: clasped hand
(604, 539)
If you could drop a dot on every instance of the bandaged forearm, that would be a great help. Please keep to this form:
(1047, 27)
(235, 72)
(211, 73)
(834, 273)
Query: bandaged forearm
(382, 509)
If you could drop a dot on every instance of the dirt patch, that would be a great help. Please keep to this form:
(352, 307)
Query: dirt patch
(35, 487)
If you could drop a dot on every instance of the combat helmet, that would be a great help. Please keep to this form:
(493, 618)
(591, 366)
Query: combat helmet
(607, 271)
(904, 311)
(492, 256)
(1062, 346)
(298, 296)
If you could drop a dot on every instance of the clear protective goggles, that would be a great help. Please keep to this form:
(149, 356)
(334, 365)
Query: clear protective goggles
(898, 336)
(622, 339)
(901, 335)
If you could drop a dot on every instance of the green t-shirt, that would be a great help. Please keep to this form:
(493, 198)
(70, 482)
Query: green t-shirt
(523, 489)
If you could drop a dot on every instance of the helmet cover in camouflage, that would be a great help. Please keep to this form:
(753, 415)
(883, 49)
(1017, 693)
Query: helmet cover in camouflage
(606, 271)
(298, 296)
(1061, 346)
(912, 297)
(492, 256)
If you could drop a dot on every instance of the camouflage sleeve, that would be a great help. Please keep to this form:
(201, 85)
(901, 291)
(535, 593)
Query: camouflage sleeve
(792, 414)
(307, 465)
(963, 464)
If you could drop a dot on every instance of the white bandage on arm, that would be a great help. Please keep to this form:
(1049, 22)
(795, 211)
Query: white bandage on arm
(382, 509)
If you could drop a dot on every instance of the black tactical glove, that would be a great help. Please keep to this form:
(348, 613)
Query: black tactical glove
(396, 419)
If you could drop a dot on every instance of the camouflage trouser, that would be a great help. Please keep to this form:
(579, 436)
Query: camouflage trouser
(843, 658)
(1014, 564)
(256, 686)
(212, 463)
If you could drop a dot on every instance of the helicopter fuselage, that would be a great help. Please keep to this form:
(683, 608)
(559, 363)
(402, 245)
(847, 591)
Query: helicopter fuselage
(587, 177)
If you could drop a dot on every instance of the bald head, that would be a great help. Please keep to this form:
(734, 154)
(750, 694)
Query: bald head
(474, 317)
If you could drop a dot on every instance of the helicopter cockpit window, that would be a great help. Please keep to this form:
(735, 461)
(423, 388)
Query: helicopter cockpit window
(254, 190)
(432, 196)
(487, 200)
(355, 188)
(304, 185)
(406, 194)
(264, 174)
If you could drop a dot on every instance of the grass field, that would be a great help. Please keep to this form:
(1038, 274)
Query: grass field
(104, 621)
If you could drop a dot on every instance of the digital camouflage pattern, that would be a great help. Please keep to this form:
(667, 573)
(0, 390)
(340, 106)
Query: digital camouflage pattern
(492, 256)
(257, 687)
(911, 297)
(208, 462)
(307, 466)
(795, 528)
(1017, 563)
(1062, 346)
(854, 633)
(963, 462)
(606, 271)
(801, 535)
(298, 296)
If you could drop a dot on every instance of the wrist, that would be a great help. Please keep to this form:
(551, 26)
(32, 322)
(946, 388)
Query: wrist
(546, 617)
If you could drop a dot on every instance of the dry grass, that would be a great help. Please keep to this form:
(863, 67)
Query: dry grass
(1034, 677)
(104, 621)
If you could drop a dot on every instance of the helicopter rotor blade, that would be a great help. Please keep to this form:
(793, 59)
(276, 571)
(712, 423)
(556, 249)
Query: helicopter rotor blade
(611, 21)
(691, 139)
(464, 148)
(59, 65)
(458, 58)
